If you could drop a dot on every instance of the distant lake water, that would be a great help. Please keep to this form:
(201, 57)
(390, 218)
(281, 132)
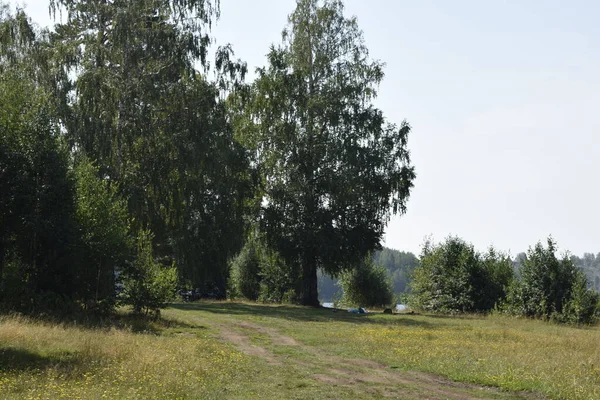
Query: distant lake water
(399, 307)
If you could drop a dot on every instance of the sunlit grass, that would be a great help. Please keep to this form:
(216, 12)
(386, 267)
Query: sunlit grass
(559, 361)
(189, 359)
(42, 361)
(512, 354)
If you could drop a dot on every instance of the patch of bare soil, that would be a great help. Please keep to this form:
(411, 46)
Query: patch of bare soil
(242, 342)
(276, 337)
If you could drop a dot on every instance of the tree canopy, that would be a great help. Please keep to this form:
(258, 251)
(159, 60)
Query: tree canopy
(334, 169)
(135, 102)
(128, 155)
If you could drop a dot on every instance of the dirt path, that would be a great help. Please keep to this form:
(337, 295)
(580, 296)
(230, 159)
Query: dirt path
(352, 372)
(243, 343)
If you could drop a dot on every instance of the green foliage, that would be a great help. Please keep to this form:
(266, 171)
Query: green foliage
(103, 224)
(441, 282)
(147, 285)
(245, 271)
(551, 288)
(492, 279)
(368, 285)
(117, 83)
(400, 266)
(63, 230)
(333, 168)
(279, 279)
(19, 42)
(452, 277)
(544, 285)
(259, 273)
(37, 230)
(131, 98)
(583, 304)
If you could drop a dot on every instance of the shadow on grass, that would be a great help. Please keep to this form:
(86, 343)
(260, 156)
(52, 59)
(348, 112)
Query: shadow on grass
(143, 324)
(136, 323)
(457, 316)
(297, 313)
(21, 360)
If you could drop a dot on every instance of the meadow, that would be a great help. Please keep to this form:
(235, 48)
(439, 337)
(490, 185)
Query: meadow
(230, 350)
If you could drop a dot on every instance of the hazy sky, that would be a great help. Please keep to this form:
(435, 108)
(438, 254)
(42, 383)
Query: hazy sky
(504, 100)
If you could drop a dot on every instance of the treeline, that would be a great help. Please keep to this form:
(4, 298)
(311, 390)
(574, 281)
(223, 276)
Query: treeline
(131, 165)
(452, 277)
(590, 265)
(400, 266)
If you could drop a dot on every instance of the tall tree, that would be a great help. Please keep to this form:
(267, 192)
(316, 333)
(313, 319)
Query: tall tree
(334, 168)
(36, 193)
(136, 104)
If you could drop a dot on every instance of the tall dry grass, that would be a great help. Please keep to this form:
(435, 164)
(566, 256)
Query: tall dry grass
(48, 361)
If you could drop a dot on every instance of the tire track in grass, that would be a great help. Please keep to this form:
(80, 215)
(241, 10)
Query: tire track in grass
(354, 372)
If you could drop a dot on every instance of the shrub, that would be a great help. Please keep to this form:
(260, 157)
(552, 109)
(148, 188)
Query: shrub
(259, 273)
(452, 277)
(582, 306)
(550, 288)
(443, 280)
(148, 286)
(491, 280)
(279, 280)
(104, 242)
(245, 272)
(544, 284)
(367, 285)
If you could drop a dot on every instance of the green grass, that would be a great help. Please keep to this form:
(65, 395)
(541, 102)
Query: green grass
(245, 351)
(49, 361)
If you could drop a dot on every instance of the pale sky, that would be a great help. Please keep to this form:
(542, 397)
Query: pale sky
(503, 97)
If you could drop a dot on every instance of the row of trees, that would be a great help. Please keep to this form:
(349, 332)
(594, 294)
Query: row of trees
(452, 277)
(129, 162)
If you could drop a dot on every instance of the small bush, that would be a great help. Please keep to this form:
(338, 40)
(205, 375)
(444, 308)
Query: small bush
(148, 286)
(105, 242)
(279, 279)
(492, 280)
(367, 285)
(259, 273)
(245, 272)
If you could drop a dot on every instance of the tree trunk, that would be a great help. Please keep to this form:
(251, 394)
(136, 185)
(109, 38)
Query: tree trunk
(310, 295)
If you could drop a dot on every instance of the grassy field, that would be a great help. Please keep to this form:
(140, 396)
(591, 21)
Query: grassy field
(247, 351)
